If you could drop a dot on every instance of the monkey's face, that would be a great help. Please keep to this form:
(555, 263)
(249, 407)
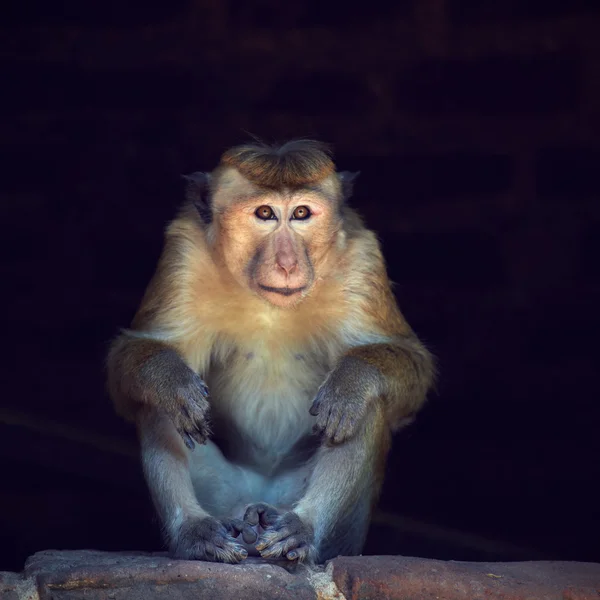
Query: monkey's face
(277, 245)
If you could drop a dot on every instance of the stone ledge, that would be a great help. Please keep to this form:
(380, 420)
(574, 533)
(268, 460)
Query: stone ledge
(74, 575)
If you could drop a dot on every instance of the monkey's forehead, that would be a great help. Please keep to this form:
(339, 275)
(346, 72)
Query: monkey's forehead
(232, 187)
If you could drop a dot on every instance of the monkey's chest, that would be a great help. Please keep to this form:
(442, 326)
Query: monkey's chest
(264, 401)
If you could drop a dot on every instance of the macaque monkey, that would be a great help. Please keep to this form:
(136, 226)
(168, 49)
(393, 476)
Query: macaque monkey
(268, 364)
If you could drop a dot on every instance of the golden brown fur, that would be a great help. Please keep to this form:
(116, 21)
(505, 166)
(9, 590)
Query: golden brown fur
(293, 326)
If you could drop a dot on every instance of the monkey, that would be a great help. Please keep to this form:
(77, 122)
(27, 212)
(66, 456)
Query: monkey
(268, 364)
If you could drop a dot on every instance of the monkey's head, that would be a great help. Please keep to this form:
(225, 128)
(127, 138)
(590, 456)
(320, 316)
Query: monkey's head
(274, 216)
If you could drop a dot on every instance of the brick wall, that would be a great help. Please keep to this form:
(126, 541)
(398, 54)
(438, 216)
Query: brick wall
(476, 129)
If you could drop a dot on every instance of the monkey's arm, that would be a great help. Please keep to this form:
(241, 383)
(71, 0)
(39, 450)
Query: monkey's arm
(404, 370)
(397, 371)
(147, 374)
(397, 374)
(145, 367)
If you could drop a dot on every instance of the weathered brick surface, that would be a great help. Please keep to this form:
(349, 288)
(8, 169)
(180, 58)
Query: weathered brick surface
(130, 576)
(90, 575)
(398, 578)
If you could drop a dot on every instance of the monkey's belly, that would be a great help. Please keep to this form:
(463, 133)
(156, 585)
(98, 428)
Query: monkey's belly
(225, 488)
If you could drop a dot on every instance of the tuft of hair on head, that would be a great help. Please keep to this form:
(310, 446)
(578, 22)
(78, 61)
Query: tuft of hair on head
(293, 164)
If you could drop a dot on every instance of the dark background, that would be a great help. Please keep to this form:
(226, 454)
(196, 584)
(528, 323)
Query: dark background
(476, 126)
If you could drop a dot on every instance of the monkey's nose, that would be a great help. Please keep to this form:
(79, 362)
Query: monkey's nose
(287, 262)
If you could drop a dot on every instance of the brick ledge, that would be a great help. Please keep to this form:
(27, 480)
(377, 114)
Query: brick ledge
(90, 574)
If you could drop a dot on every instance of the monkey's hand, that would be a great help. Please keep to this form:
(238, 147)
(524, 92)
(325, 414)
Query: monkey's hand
(187, 406)
(343, 400)
(147, 374)
(210, 539)
(284, 535)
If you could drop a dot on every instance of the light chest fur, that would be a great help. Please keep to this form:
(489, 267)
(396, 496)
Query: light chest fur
(267, 395)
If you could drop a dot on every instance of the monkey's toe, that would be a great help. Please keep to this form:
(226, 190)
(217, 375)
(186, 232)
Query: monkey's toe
(237, 527)
(262, 514)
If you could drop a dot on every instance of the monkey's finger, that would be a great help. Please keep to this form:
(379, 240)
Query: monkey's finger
(300, 554)
(323, 418)
(273, 536)
(261, 513)
(249, 535)
(280, 548)
(205, 390)
(198, 437)
(230, 556)
(202, 427)
(187, 440)
(344, 430)
(272, 552)
(199, 431)
(237, 526)
(239, 554)
(268, 518)
(224, 540)
(316, 405)
(234, 527)
(333, 422)
(290, 544)
(226, 549)
(251, 515)
(210, 551)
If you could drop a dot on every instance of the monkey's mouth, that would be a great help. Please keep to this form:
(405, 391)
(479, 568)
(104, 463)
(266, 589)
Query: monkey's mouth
(283, 291)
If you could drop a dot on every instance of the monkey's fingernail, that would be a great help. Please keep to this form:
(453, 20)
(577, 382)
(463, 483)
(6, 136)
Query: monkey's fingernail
(261, 546)
(188, 441)
(293, 555)
(244, 553)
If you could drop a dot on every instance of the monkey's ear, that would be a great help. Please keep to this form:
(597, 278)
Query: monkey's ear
(198, 193)
(347, 183)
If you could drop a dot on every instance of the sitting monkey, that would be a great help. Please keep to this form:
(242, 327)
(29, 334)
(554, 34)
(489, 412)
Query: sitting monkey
(268, 364)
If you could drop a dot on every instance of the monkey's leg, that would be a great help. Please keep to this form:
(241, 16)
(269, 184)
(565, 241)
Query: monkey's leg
(191, 531)
(333, 516)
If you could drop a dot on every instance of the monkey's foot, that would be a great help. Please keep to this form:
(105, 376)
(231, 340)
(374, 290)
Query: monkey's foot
(212, 540)
(286, 535)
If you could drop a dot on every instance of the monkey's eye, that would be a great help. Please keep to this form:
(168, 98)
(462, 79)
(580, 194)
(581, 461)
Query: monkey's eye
(301, 213)
(264, 212)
